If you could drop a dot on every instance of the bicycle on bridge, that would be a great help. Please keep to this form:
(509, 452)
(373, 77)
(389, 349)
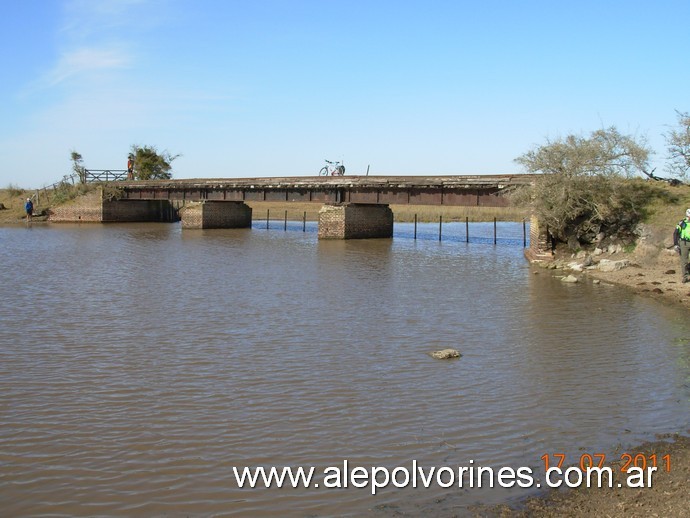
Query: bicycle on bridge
(332, 169)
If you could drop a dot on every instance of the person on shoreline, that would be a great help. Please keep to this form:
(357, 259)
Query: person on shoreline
(681, 240)
(29, 208)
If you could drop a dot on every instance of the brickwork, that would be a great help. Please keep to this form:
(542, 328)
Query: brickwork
(191, 215)
(540, 243)
(135, 211)
(355, 221)
(217, 214)
(91, 208)
(87, 208)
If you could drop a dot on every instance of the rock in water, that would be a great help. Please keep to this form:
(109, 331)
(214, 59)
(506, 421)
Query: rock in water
(445, 354)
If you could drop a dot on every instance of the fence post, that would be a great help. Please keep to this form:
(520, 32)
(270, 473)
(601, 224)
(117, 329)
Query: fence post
(524, 233)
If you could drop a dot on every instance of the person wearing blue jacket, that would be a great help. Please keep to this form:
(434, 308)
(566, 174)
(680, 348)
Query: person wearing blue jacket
(29, 208)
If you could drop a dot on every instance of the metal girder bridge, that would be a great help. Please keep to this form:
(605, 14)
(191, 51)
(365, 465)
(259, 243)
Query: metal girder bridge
(465, 190)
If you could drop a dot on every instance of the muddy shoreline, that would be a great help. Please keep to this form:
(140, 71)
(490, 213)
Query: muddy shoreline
(668, 496)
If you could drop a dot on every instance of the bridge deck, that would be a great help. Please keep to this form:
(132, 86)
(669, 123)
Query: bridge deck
(306, 182)
(475, 190)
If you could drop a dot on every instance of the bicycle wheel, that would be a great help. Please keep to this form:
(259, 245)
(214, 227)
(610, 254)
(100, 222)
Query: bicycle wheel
(324, 171)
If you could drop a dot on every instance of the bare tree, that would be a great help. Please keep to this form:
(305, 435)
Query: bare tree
(678, 147)
(605, 153)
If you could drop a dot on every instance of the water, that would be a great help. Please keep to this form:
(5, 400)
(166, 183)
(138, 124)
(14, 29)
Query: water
(139, 364)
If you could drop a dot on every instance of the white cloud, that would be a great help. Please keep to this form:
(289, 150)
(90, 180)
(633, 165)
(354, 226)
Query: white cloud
(84, 62)
(93, 40)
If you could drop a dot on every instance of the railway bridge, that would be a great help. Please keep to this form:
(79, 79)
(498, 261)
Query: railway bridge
(353, 207)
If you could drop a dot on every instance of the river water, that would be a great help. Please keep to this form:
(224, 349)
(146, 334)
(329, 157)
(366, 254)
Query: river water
(140, 364)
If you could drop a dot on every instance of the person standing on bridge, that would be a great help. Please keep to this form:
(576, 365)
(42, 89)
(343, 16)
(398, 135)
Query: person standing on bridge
(130, 167)
(681, 240)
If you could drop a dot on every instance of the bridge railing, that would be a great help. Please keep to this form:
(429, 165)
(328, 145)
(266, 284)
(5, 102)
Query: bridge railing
(104, 175)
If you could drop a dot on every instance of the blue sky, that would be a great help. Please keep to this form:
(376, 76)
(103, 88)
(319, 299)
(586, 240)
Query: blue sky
(272, 88)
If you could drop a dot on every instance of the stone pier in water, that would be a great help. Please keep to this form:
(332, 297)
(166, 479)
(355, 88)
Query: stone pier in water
(355, 221)
(216, 214)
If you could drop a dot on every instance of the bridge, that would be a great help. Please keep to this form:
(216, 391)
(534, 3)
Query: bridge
(352, 206)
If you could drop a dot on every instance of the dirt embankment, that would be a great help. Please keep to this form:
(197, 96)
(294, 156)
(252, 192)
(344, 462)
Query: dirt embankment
(653, 269)
(12, 206)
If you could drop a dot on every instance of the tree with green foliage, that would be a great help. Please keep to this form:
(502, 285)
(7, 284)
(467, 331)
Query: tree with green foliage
(678, 146)
(77, 166)
(149, 164)
(587, 185)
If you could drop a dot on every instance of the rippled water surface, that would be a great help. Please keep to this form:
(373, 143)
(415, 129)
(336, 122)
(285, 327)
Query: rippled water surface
(140, 363)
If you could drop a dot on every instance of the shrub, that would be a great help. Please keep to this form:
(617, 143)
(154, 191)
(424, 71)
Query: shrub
(588, 186)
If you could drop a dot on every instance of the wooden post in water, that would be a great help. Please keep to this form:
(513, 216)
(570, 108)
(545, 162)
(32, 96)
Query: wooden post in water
(304, 221)
(467, 229)
(524, 233)
(440, 225)
(494, 230)
(415, 226)
(285, 226)
(268, 215)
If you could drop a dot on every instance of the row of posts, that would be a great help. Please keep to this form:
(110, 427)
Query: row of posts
(440, 227)
(304, 220)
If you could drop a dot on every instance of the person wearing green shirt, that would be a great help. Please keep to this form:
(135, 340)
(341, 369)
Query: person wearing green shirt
(681, 240)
